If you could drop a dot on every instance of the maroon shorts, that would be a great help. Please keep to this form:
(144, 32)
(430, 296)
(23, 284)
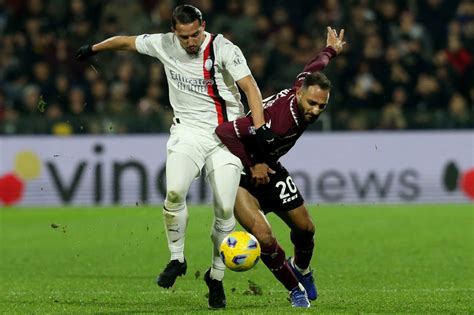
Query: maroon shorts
(280, 194)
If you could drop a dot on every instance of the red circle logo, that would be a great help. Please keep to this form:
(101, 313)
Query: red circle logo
(11, 189)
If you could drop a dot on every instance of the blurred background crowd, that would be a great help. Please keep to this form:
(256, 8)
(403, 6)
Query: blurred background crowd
(407, 65)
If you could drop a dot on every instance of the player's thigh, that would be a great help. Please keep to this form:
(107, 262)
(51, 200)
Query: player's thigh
(298, 219)
(224, 182)
(247, 211)
(185, 141)
(223, 171)
(181, 170)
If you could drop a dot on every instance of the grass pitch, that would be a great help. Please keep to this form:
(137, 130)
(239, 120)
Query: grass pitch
(374, 259)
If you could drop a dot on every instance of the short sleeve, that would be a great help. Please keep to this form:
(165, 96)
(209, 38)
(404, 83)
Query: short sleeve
(233, 60)
(149, 44)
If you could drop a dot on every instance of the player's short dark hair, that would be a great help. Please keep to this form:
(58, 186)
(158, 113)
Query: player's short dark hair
(317, 78)
(185, 14)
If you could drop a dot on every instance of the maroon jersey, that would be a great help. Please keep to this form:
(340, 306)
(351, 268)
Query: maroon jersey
(281, 116)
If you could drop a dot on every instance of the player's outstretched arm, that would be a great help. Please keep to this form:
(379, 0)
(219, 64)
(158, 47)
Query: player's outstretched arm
(112, 43)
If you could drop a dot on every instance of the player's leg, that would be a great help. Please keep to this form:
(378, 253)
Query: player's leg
(302, 237)
(254, 221)
(302, 234)
(273, 256)
(223, 173)
(181, 170)
(224, 181)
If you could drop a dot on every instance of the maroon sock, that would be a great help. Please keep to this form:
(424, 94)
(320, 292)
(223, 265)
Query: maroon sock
(274, 258)
(304, 245)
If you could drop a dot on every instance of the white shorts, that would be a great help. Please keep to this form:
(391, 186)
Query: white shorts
(202, 146)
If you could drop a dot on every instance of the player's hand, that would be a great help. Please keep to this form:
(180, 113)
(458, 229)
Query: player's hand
(260, 174)
(266, 139)
(85, 52)
(335, 41)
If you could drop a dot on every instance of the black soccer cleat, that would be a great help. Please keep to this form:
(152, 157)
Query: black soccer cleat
(173, 269)
(216, 291)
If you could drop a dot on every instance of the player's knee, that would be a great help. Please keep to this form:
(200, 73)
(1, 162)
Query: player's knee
(310, 229)
(304, 233)
(306, 230)
(174, 197)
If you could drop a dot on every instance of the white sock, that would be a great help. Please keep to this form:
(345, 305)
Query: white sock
(175, 221)
(220, 229)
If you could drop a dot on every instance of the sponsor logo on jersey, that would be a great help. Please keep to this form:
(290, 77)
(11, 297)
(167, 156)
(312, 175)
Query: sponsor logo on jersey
(191, 84)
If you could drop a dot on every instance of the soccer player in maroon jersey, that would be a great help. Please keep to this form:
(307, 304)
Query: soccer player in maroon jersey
(267, 185)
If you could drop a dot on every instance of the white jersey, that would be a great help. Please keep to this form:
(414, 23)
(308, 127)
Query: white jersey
(202, 88)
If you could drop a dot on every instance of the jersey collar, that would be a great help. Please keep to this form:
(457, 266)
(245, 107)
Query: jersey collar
(201, 49)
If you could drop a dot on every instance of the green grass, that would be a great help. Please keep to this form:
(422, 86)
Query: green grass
(374, 259)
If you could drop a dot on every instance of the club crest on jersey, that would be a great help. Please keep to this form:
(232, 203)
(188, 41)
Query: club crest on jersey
(208, 64)
(252, 130)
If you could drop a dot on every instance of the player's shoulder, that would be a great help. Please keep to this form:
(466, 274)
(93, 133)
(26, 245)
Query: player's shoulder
(221, 41)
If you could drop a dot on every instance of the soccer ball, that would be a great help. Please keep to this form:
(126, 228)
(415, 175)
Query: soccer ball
(240, 251)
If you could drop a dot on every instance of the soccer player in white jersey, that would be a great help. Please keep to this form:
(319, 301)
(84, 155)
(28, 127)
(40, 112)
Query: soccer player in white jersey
(203, 71)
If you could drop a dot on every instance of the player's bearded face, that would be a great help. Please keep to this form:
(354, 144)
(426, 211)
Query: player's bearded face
(190, 36)
(312, 101)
